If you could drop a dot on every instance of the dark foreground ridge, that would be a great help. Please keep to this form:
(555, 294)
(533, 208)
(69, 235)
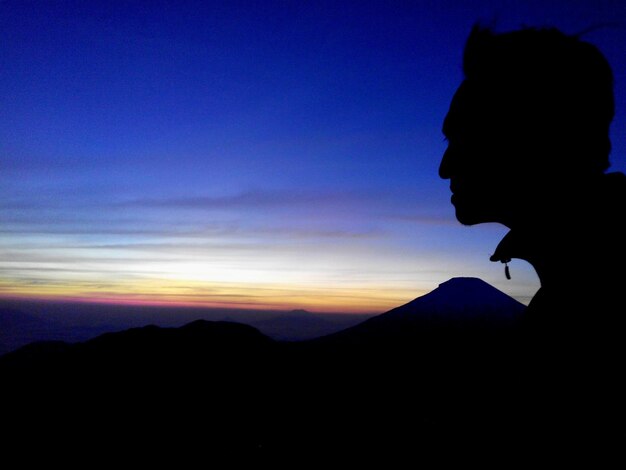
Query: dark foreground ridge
(438, 379)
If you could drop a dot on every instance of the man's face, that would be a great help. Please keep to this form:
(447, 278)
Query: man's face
(474, 160)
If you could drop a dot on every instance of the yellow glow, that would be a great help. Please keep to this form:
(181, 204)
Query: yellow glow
(375, 299)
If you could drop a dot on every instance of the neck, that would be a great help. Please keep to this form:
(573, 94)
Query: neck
(557, 230)
(573, 235)
(541, 245)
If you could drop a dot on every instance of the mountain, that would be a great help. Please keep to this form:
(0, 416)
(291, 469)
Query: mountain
(459, 304)
(299, 325)
(463, 298)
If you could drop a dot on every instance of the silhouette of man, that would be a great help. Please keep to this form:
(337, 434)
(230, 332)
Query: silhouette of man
(528, 147)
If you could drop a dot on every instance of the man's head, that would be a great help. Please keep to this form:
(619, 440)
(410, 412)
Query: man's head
(531, 116)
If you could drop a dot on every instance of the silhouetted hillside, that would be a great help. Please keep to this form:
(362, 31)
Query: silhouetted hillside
(205, 384)
(23, 322)
(441, 378)
(150, 347)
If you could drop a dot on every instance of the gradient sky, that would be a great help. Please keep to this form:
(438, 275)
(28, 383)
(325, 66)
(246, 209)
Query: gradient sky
(251, 154)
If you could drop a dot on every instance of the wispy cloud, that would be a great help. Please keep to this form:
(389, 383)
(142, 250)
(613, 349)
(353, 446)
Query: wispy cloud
(253, 199)
(423, 219)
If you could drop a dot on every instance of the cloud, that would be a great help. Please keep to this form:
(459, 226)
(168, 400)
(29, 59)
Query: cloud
(253, 199)
(424, 219)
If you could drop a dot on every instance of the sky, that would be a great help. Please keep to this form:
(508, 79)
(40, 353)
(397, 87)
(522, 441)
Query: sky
(262, 154)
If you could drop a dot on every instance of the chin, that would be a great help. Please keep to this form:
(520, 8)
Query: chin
(467, 216)
(476, 209)
(467, 220)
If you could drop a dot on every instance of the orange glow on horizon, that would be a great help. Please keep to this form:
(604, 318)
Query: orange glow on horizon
(174, 293)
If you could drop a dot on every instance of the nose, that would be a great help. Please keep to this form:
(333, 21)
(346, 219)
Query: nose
(445, 167)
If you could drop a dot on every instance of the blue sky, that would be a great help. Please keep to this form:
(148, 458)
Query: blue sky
(272, 154)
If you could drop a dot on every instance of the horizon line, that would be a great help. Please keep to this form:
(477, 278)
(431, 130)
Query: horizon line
(245, 306)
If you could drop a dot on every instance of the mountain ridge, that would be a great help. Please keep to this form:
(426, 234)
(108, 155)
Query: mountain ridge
(456, 303)
(402, 383)
(33, 321)
(460, 303)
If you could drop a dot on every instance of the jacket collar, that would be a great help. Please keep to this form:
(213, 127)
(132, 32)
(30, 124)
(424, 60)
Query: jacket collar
(531, 247)
(516, 244)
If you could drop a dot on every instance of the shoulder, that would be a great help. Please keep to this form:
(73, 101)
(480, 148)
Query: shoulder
(614, 185)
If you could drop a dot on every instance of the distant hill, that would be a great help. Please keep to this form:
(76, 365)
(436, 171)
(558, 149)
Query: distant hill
(299, 325)
(24, 322)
